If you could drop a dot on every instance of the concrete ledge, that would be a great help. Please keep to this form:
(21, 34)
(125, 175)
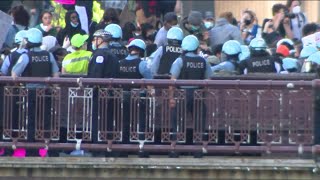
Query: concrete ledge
(159, 168)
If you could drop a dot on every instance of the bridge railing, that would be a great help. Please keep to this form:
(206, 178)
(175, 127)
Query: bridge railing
(210, 116)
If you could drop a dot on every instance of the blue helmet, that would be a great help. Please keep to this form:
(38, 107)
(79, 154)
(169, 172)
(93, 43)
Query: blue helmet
(231, 47)
(175, 33)
(307, 51)
(258, 44)
(115, 30)
(315, 57)
(34, 35)
(190, 43)
(245, 52)
(289, 63)
(20, 35)
(137, 43)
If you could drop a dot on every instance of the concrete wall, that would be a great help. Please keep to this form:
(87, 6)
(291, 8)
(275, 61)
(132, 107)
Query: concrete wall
(218, 168)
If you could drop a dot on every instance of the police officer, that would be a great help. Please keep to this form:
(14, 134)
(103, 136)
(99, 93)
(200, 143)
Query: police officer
(290, 65)
(103, 63)
(13, 57)
(245, 53)
(166, 55)
(306, 52)
(189, 66)
(312, 64)
(289, 44)
(133, 67)
(260, 60)
(36, 63)
(115, 46)
(231, 49)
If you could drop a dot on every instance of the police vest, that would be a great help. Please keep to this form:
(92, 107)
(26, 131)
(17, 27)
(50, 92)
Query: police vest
(129, 69)
(39, 64)
(13, 58)
(169, 55)
(103, 64)
(263, 64)
(193, 68)
(120, 52)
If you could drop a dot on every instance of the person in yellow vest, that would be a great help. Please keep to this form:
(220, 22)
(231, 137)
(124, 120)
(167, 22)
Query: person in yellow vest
(77, 62)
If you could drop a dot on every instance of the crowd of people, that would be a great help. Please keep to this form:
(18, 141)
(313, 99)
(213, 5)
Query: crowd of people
(199, 46)
(226, 45)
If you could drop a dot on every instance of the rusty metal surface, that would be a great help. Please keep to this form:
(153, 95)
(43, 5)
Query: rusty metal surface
(47, 125)
(219, 116)
(15, 112)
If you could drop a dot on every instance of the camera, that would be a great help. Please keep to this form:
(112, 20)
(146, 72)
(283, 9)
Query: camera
(289, 15)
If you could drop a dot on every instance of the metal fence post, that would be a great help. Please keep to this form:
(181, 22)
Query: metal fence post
(316, 117)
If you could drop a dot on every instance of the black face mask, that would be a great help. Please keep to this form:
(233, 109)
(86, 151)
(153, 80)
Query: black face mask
(247, 22)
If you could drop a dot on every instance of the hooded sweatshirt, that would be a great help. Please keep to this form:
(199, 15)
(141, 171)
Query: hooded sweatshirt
(69, 30)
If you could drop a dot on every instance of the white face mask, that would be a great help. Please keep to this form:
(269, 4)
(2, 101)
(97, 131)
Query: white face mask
(74, 25)
(208, 24)
(296, 10)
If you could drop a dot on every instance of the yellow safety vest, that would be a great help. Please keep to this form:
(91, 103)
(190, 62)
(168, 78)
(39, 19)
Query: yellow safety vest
(77, 62)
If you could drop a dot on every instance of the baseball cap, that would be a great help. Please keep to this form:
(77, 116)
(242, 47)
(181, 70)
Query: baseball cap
(170, 16)
(78, 40)
(195, 18)
(208, 15)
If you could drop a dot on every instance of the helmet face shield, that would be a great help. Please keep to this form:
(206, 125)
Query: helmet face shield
(309, 67)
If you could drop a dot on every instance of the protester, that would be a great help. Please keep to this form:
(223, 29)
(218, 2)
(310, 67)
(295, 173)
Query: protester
(248, 26)
(73, 26)
(224, 31)
(110, 16)
(148, 33)
(20, 22)
(46, 26)
(208, 20)
(298, 20)
(170, 19)
(278, 27)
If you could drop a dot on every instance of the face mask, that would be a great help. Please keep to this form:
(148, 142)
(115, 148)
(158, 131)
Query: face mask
(208, 24)
(93, 46)
(296, 10)
(247, 22)
(136, 34)
(194, 28)
(74, 25)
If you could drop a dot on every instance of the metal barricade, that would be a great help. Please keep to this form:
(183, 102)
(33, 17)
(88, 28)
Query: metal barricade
(218, 116)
